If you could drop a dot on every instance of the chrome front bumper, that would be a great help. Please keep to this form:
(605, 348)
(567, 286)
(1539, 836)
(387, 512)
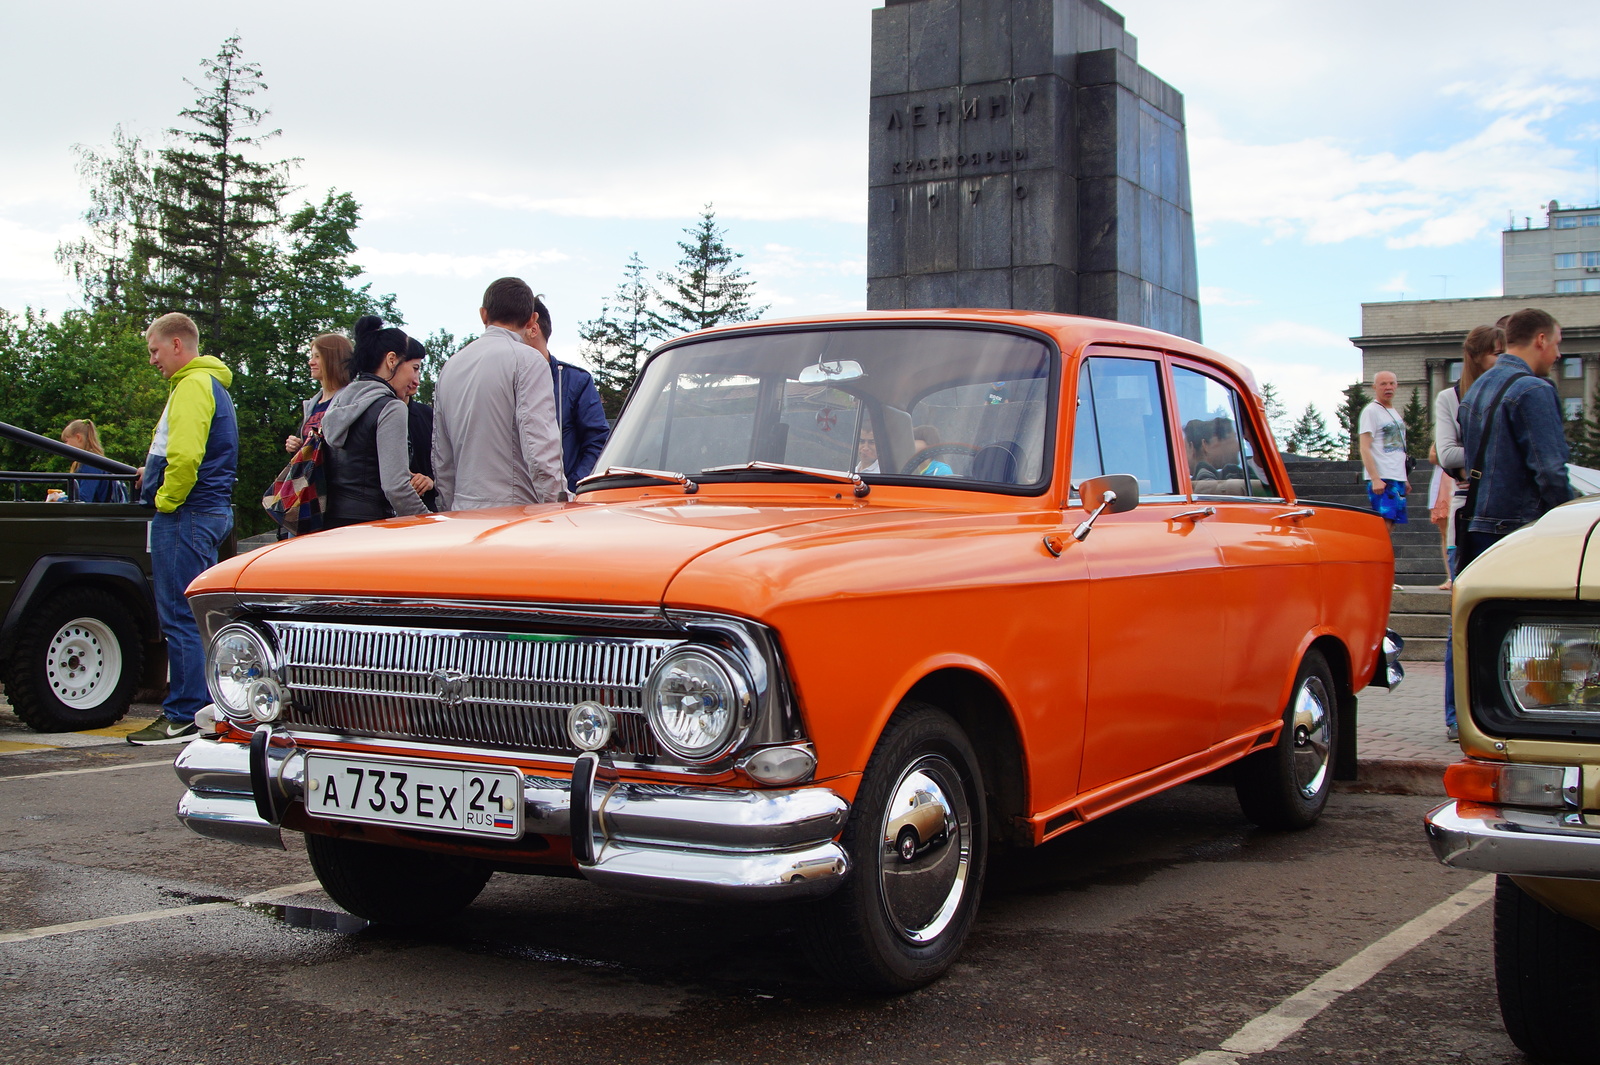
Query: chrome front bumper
(656, 839)
(1514, 840)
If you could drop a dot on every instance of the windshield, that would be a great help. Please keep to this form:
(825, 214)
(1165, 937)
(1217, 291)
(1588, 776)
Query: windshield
(961, 407)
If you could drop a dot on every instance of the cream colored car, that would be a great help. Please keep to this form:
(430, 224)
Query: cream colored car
(1525, 799)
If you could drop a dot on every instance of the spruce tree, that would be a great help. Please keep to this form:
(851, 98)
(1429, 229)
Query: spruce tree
(1419, 427)
(209, 247)
(616, 342)
(1310, 437)
(706, 288)
(1355, 401)
(1277, 413)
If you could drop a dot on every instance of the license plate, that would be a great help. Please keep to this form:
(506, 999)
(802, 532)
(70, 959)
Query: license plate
(471, 799)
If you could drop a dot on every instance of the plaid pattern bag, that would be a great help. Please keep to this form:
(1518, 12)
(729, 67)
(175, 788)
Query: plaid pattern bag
(295, 499)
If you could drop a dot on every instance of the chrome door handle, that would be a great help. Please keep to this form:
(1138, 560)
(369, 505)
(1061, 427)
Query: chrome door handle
(1194, 515)
(1294, 515)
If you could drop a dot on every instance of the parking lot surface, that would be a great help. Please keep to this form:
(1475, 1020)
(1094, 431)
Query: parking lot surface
(1171, 932)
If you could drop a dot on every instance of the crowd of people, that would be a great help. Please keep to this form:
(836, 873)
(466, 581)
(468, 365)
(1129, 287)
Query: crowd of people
(510, 425)
(1499, 448)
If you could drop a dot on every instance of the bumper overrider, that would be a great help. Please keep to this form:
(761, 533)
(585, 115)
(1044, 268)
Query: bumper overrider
(1515, 840)
(647, 837)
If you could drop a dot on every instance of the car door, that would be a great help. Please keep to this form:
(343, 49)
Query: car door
(1270, 598)
(1155, 645)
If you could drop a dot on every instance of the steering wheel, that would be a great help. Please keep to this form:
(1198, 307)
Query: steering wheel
(937, 451)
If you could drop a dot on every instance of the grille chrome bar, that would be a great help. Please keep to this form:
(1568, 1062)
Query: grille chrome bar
(507, 690)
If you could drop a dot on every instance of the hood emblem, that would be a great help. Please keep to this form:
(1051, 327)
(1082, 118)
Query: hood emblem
(450, 686)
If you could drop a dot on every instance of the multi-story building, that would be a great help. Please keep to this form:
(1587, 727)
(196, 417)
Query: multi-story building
(1556, 268)
(1563, 256)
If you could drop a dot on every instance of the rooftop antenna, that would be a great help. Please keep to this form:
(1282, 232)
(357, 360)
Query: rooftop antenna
(1444, 290)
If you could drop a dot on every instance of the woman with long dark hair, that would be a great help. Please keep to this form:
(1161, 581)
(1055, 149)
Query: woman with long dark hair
(365, 429)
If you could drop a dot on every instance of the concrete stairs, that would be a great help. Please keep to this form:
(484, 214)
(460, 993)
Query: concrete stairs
(1420, 612)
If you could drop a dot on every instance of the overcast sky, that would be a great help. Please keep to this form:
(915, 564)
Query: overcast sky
(1341, 152)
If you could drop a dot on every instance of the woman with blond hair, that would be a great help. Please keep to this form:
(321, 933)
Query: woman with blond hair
(82, 434)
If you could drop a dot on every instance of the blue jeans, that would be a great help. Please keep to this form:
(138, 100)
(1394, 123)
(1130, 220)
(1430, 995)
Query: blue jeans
(182, 545)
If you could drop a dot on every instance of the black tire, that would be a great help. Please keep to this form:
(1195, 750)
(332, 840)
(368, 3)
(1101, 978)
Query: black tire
(1547, 970)
(77, 659)
(1286, 786)
(394, 885)
(889, 929)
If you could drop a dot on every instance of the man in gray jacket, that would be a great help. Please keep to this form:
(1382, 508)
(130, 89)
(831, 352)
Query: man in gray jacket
(496, 442)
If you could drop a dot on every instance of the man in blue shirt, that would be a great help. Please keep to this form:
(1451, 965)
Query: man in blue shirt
(584, 429)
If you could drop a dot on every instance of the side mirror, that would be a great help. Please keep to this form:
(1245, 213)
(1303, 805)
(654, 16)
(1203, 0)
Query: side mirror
(1116, 492)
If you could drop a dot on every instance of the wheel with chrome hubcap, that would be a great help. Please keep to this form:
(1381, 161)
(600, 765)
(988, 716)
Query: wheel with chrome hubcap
(1287, 785)
(917, 841)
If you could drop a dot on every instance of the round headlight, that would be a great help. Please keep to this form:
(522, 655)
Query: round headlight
(239, 674)
(696, 700)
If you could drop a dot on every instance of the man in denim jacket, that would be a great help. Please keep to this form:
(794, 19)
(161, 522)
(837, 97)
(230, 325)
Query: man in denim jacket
(1524, 470)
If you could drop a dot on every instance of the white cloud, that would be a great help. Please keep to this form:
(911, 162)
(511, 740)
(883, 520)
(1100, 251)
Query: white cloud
(443, 264)
(1306, 364)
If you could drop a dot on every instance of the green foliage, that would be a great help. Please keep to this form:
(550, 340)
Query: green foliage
(706, 288)
(1309, 436)
(440, 345)
(1355, 401)
(616, 342)
(1419, 427)
(202, 228)
(1277, 413)
(1583, 437)
(89, 364)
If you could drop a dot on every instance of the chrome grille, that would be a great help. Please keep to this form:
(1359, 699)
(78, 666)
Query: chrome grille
(496, 689)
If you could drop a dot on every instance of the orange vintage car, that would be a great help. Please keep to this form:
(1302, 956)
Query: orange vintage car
(996, 572)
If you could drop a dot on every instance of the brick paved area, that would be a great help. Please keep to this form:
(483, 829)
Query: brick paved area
(1401, 740)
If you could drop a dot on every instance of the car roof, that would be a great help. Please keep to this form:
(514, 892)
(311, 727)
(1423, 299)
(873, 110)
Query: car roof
(1071, 331)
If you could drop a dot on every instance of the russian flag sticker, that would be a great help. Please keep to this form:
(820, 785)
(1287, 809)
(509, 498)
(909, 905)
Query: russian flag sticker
(503, 822)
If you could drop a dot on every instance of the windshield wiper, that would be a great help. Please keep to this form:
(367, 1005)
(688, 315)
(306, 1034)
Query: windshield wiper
(858, 486)
(689, 487)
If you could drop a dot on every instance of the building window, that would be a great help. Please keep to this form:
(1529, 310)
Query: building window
(1453, 371)
(1591, 284)
(1569, 286)
(1572, 368)
(1572, 407)
(1591, 219)
(1567, 260)
(1567, 222)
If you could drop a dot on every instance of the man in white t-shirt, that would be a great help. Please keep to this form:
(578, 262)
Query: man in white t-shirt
(1383, 450)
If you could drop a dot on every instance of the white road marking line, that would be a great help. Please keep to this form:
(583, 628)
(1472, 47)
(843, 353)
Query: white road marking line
(260, 897)
(97, 769)
(1265, 1032)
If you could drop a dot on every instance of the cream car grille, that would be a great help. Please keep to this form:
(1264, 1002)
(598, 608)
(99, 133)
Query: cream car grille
(493, 689)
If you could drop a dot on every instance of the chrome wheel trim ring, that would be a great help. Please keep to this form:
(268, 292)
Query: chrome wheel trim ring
(83, 663)
(1309, 722)
(923, 895)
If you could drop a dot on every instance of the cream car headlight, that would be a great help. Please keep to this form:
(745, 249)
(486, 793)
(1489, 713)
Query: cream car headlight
(697, 700)
(240, 673)
(1552, 666)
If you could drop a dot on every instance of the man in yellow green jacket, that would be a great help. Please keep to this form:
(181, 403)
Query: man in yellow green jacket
(188, 477)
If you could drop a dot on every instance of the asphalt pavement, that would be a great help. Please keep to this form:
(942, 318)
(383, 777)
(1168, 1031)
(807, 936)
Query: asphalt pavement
(1172, 931)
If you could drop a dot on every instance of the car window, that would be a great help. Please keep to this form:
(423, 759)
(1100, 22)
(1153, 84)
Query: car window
(953, 407)
(1223, 460)
(1121, 424)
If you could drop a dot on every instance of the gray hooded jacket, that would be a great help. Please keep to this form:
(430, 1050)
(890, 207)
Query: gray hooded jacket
(393, 445)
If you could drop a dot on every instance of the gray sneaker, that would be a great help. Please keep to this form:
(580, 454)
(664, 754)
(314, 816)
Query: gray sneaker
(163, 730)
(1452, 733)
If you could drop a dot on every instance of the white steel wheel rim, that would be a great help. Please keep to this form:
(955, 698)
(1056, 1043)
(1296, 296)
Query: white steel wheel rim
(83, 663)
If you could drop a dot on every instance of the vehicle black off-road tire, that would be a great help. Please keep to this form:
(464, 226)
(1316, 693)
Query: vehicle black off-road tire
(393, 885)
(1547, 970)
(77, 659)
(858, 936)
(1286, 786)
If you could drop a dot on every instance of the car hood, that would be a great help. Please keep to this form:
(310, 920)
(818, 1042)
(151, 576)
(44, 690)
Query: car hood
(609, 553)
(1557, 557)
